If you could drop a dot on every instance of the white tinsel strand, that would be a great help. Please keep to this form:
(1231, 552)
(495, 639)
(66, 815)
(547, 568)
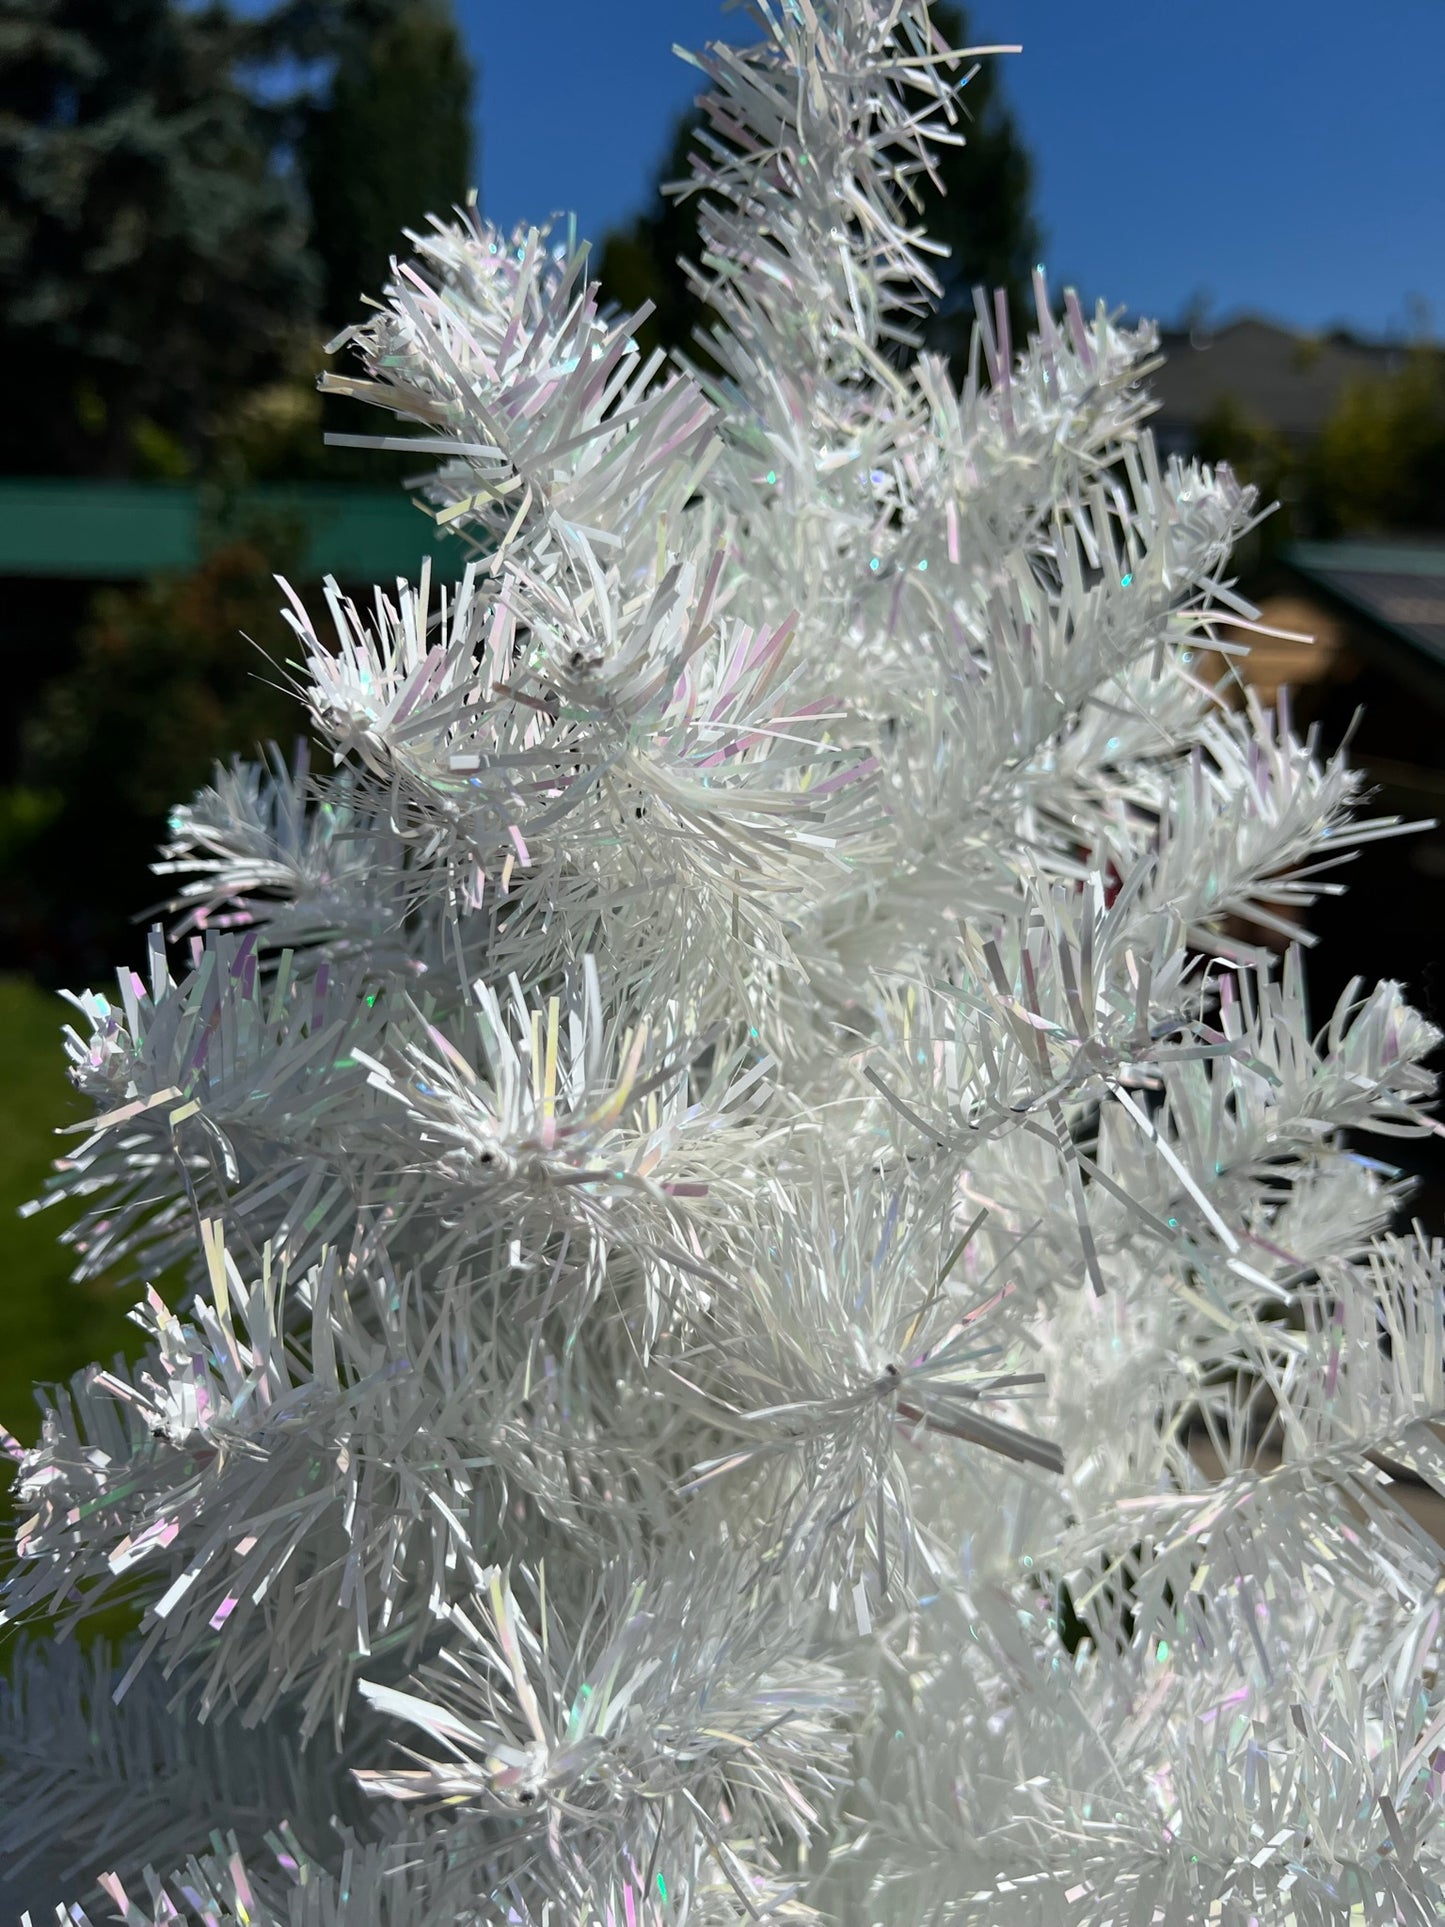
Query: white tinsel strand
(1020, 1788)
(530, 392)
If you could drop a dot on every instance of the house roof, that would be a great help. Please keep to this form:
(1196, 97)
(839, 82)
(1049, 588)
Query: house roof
(1290, 382)
(1398, 586)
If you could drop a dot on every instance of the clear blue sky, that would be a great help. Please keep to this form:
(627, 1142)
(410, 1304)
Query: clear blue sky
(1285, 156)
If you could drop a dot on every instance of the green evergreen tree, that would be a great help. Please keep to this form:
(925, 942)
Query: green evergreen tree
(638, 263)
(152, 246)
(374, 163)
(981, 207)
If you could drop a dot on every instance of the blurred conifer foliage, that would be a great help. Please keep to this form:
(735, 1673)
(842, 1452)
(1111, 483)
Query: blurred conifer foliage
(374, 164)
(182, 189)
(152, 248)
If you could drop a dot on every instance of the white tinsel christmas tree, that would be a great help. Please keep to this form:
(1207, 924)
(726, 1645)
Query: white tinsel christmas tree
(724, 1151)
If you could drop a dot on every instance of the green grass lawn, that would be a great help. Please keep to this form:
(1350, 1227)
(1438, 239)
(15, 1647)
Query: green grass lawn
(49, 1327)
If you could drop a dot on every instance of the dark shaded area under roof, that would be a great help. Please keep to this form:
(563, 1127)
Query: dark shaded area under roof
(1381, 688)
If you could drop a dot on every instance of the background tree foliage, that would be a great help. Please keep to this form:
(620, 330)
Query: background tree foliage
(170, 678)
(1379, 463)
(375, 165)
(191, 199)
(981, 207)
(1376, 467)
(153, 255)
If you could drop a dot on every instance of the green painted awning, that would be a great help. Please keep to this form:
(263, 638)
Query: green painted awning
(122, 531)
